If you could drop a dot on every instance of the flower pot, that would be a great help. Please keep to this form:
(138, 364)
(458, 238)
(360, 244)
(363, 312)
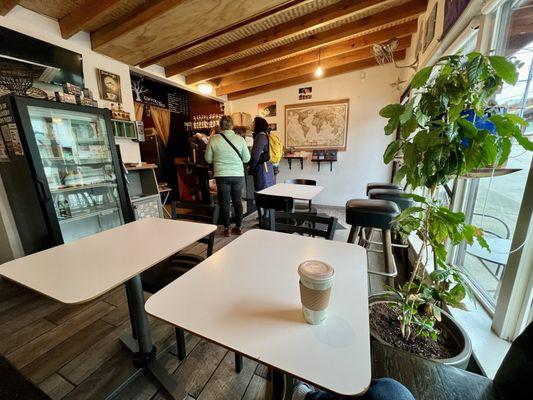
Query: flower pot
(448, 326)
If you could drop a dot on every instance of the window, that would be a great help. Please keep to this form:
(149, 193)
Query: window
(494, 201)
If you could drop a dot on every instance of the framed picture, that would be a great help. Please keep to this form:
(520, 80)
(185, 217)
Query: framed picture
(267, 109)
(319, 125)
(109, 86)
(305, 93)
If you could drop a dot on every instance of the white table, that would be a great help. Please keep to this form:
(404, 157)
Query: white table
(299, 192)
(249, 302)
(80, 271)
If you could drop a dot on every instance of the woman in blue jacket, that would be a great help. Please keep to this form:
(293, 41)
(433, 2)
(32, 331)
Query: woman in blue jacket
(260, 166)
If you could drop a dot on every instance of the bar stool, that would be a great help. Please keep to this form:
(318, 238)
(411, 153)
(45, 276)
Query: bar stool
(403, 203)
(381, 185)
(395, 196)
(392, 194)
(379, 214)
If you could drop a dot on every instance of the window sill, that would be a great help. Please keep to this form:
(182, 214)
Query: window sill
(489, 349)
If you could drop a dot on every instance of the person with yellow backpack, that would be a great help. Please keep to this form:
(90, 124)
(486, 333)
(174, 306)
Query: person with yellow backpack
(266, 155)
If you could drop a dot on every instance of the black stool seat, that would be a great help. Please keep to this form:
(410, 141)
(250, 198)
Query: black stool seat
(371, 213)
(381, 185)
(394, 195)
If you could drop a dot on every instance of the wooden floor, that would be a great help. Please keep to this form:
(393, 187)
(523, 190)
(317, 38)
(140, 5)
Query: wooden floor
(73, 352)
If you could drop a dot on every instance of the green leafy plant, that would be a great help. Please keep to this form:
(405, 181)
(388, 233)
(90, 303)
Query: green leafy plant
(446, 130)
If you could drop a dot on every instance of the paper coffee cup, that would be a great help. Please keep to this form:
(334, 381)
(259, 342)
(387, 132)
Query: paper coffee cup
(316, 280)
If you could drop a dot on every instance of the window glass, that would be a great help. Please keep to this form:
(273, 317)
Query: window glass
(493, 202)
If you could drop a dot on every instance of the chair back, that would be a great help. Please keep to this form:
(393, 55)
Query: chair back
(301, 223)
(308, 182)
(265, 202)
(198, 213)
(514, 379)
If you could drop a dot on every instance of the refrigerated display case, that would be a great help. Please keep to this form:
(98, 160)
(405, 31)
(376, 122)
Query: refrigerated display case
(62, 175)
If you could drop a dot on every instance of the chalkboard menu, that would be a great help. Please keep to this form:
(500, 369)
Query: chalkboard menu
(178, 102)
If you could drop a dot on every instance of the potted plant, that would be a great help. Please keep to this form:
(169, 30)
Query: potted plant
(444, 133)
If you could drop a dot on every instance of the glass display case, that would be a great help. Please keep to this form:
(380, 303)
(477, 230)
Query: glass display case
(75, 152)
(63, 175)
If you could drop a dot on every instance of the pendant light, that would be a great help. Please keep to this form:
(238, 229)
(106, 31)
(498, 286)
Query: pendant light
(319, 70)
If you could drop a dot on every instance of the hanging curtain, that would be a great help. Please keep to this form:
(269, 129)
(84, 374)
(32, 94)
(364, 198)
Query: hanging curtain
(139, 107)
(161, 118)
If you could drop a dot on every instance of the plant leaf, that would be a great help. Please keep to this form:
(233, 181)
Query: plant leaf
(523, 141)
(504, 68)
(468, 127)
(392, 111)
(392, 125)
(421, 77)
(391, 151)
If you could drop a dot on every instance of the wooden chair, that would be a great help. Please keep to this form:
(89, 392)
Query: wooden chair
(265, 202)
(305, 224)
(303, 206)
(432, 380)
(167, 271)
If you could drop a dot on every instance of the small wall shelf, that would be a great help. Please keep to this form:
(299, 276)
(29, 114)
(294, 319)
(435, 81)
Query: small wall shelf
(320, 156)
(289, 159)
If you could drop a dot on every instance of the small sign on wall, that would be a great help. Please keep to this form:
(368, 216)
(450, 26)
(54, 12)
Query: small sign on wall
(305, 93)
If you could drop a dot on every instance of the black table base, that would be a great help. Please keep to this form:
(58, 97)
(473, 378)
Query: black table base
(141, 346)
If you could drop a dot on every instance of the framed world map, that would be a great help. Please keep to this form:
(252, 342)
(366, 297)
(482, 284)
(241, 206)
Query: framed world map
(318, 125)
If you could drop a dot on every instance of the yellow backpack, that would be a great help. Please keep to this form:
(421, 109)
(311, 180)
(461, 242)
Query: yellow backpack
(275, 148)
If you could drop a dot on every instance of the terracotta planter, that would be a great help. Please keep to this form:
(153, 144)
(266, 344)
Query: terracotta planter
(448, 324)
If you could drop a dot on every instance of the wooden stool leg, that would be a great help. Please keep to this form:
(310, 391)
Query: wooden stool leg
(238, 362)
(180, 342)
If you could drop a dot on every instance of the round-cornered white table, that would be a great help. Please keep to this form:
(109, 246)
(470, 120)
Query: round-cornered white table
(80, 271)
(246, 298)
(299, 192)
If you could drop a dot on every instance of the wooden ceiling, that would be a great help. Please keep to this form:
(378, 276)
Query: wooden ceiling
(243, 47)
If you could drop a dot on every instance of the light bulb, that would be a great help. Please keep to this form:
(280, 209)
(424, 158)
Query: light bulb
(205, 88)
(319, 71)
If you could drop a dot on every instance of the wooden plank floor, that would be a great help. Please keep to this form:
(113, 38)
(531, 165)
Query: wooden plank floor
(73, 352)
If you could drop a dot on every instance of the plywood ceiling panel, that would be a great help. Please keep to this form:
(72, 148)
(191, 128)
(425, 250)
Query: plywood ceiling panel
(249, 30)
(56, 9)
(274, 21)
(124, 8)
(305, 34)
(179, 25)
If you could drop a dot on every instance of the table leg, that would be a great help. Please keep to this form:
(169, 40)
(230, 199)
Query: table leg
(278, 385)
(143, 349)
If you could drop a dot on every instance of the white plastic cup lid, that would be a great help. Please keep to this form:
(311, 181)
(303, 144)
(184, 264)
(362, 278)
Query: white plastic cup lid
(316, 270)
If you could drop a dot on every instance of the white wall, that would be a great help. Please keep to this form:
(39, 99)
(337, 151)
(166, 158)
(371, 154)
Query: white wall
(47, 29)
(362, 161)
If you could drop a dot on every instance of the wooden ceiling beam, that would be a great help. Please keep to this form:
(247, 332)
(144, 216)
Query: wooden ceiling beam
(408, 11)
(325, 52)
(309, 68)
(309, 78)
(309, 21)
(86, 13)
(140, 16)
(7, 5)
(282, 7)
